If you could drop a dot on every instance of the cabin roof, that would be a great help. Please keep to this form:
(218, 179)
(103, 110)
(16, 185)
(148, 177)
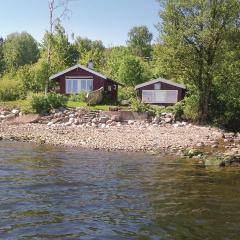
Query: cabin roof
(84, 68)
(160, 80)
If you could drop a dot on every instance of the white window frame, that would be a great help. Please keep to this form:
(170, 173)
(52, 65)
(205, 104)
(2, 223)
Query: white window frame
(160, 96)
(70, 84)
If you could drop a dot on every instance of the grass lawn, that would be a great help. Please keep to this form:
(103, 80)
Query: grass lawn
(72, 104)
(20, 104)
(24, 105)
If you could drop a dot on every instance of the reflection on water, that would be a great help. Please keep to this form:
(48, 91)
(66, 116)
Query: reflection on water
(52, 193)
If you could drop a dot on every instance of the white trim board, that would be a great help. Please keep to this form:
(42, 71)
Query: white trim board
(75, 67)
(160, 80)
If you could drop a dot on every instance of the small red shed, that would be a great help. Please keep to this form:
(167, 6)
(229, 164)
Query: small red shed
(82, 79)
(161, 91)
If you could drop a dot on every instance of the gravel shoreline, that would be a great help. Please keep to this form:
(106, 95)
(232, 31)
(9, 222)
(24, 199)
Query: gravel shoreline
(132, 138)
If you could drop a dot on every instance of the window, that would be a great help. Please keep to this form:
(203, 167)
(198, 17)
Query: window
(157, 86)
(109, 88)
(75, 86)
(160, 96)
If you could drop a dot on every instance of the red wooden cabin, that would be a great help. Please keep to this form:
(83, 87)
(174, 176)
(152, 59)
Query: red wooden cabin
(79, 79)
(161, 92)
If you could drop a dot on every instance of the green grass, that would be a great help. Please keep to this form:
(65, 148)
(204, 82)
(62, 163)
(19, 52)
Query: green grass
(24, 105)
(71, 104)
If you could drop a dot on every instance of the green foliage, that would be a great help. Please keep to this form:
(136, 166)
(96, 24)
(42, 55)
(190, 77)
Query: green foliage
(19, 49)
(197, 37)
(131, 71)
(191, 107)
(81, 97)
(138, 106)
(126, 93)
(90, 50)
(139, 41)
(63, 54)
(9, 90)
(23, 105)
(114, 57)
(42, 103)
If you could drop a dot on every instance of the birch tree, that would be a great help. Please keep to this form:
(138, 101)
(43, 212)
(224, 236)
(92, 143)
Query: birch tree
(58, 9)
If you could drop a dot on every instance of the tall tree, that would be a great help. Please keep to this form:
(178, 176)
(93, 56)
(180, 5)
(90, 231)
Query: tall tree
(196, 35)
(131, 71)
(1, 56)
(19, 49)
(58, 9)
(139, 41)
(90, 50)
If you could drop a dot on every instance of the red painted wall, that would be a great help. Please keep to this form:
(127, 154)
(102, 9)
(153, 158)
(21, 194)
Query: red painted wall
(98, 82)
(164, 86)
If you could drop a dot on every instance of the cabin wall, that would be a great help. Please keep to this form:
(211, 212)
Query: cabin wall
(98, 82)
(164, 86)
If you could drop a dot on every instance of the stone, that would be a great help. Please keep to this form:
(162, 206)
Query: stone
(71, 120)
(156, 119)
(50, 124)
(168, 120)
(113, 124)
(76, 121)
(103, 119)
(5, 113)
(115, 118)
(193, 152)
(184, 123)
(94, 120)
(10, 116)
(15, 111)
(103, 125)
(131, 122)
(201, 144)
(109, 122)
(67, 124)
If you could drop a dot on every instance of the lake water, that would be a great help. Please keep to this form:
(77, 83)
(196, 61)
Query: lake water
(56, 193)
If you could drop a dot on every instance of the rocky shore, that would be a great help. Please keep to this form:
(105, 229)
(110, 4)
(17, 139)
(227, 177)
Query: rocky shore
(93, 130)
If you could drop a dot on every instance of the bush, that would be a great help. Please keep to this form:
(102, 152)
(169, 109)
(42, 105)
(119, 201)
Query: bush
(139, 106)
(9, 90)
(42, 103)
(81, 97)
(126, 93)
(191, 104)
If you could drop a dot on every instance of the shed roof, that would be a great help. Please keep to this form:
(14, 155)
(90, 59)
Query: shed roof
(160, 80)
(84, 68)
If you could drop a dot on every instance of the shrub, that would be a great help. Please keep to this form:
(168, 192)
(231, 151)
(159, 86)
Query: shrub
(81, 97)
(9, 90)
(191, 104)
(42, 103)
(126, 93)
(139, 106)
